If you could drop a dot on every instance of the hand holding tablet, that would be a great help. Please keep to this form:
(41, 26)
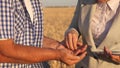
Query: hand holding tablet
(114, 52)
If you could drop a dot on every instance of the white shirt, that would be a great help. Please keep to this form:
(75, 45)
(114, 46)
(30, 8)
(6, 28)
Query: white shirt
(29, 8)
(102, 19)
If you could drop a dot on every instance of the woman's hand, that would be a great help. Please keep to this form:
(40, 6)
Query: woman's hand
(71, 39)
(109, 54)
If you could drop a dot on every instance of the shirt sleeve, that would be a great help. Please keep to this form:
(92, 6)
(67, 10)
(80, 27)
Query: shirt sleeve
(3, 39)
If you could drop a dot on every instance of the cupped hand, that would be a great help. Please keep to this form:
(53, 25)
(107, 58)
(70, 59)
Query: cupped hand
(110, 55)
(69, 57)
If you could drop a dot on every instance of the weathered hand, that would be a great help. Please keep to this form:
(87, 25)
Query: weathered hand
(109, 54)
(71, 57)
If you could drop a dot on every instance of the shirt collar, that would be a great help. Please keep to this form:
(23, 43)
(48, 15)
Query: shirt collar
(113, 4)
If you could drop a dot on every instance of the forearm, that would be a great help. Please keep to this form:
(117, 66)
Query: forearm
(50, 43)
(5, 59)
(75, 19)
(28, 53)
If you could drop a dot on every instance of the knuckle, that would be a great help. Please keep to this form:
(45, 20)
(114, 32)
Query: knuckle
(74, 35)
(69, 34)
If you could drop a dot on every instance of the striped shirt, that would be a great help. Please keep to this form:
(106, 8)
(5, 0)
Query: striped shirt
(16, 24)
(103, 18)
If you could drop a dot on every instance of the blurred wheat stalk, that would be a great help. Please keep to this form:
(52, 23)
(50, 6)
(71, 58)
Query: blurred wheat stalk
(56, 21)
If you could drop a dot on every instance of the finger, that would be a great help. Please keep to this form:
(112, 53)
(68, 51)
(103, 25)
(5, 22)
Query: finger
(72, 61)
(115, 58)
(106, 51)
(84, 48)
(69, 62)
(66, 42)
(75, 59)
(110, 54)
(79, 44)
(79, 51)
(82, 55)
(75, 39)
(70, 41)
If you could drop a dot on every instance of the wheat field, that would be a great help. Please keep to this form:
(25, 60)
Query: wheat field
(56, 21)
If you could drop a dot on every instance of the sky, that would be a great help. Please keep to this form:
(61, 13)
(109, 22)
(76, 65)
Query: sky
(59, 2)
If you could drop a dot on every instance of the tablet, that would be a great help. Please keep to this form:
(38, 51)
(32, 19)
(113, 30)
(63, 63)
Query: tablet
(115, 52)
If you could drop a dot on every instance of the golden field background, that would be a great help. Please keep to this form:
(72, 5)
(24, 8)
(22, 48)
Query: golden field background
(56, 21)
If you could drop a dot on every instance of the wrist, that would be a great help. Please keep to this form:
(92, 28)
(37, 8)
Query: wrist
(50, 43)
(58, 54)
(73, 31)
